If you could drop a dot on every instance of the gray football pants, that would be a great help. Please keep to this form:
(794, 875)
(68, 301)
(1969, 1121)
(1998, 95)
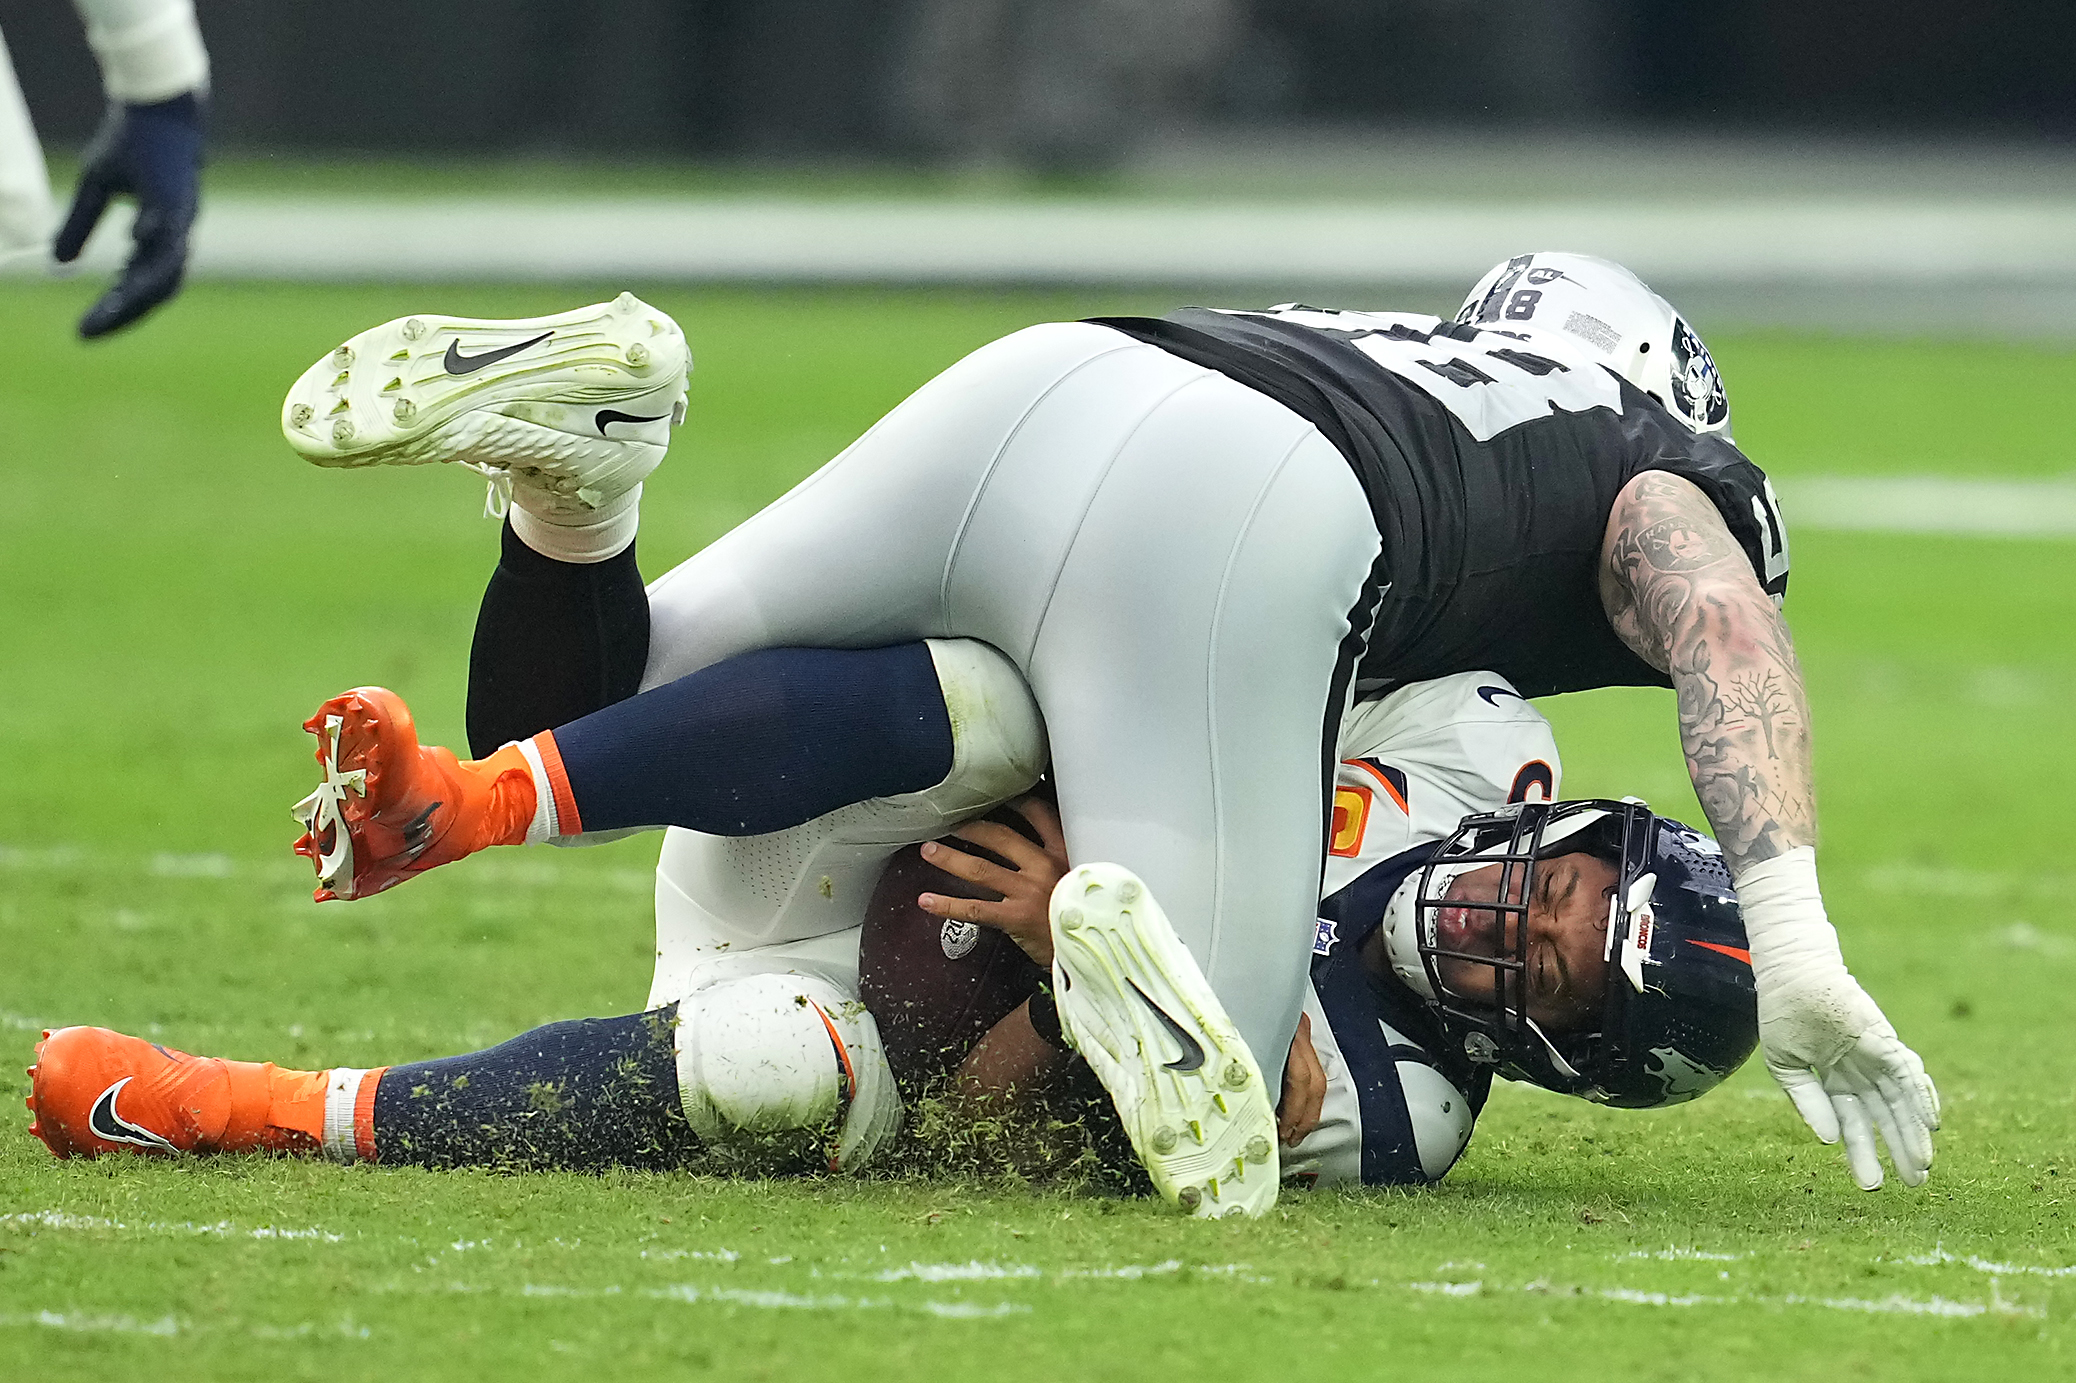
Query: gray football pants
(1171, 558)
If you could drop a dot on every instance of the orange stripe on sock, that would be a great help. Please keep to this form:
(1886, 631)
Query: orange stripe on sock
(364, 1114)
(843, 1059)
(568, 822)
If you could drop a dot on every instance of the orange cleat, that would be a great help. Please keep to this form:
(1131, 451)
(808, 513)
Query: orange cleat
(94, 1091)
(388, 809)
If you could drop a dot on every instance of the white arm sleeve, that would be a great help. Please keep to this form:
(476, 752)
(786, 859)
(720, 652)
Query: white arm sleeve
(150, 50)
(27, 215)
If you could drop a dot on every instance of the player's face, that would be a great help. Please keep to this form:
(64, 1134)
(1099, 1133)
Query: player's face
(1567, 933)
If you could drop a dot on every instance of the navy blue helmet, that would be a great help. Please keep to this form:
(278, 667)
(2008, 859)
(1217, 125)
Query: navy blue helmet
(1681, 1011)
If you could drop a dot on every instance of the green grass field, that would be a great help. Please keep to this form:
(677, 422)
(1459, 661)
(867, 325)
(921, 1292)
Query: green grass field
(177, 591)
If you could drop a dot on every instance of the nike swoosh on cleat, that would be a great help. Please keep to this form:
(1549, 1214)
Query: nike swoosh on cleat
(112, 1127)
(1492, 695)
(417, 832)
(459, 364)
(607, 417)
(1192, 1051)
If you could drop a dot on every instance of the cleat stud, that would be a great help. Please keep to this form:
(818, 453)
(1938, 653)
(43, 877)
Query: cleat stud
(1128, 891)
(626, 302)
(1189, 1198)
(404, 409)
(339, 381)
(400, 355)
(342, 431)
(414, 330)
(1196, 1130)
(1070, 919)
(1258, 1149)
(1223, 1107)
(1163, 1139)
(342, 357)
(1235, 1076)
(300, 415)
(393, 385)
(637, 355)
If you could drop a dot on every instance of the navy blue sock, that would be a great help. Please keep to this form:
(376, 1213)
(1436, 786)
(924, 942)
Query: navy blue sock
(762, 741)
(554, 641)
(580, 1096)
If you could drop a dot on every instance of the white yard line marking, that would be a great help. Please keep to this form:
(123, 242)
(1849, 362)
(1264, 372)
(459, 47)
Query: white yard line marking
(59, 1219)
(1895, 1304)
(91, 1323)
(1939, 1257)
(1987, 507)
(974, 1271)
(81, 1321)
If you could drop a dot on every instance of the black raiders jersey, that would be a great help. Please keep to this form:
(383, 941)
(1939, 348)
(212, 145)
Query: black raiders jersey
(1491, 468)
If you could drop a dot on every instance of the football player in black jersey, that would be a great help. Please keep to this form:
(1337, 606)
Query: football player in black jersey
(1198, 540)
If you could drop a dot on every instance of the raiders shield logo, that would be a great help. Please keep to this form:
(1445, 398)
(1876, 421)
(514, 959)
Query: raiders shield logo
(1697, 390)
(957, 938)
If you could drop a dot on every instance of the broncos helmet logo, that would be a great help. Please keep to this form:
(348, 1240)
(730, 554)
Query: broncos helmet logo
(1681, 1077)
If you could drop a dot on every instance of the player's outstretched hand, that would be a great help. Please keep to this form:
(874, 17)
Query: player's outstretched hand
(1832, 1050)
(1025, 885)
(154, 154)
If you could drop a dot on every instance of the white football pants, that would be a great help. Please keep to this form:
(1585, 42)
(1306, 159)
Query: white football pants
(27, 214)
(1171, 559)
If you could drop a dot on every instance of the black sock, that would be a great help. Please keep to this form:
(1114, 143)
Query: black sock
(578, 1096)
(762, 741)
(554, 641)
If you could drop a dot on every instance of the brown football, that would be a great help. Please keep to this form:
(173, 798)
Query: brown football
(935, 987)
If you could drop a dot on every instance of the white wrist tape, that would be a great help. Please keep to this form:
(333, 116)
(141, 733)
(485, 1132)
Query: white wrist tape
(1784, 916)
(150, 50)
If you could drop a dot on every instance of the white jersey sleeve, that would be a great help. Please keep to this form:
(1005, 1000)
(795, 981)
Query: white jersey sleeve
(1413, 764)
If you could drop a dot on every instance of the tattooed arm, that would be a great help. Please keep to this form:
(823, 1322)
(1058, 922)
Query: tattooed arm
(1680, 592)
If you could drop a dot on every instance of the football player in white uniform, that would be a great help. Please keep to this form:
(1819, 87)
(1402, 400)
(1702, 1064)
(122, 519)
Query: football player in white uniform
(1409, 1015)
(156, 73)
(1197, 541)
(765, 1048)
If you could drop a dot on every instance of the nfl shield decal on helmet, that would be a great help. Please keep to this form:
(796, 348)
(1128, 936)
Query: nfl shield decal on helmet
(957, 938)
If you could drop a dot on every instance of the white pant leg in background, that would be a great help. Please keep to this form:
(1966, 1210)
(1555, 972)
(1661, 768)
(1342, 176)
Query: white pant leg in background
(28, 217)
(149, 50)
(1168, 556)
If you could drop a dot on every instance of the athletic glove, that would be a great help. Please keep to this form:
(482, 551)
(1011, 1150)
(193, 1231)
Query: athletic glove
(1823, 1036)
(154, 154)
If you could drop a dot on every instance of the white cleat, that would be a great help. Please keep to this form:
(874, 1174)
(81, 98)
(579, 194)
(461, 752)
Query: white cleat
(577, 406)
(1134, 1004)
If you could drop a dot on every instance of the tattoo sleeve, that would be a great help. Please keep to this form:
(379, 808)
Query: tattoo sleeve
(1680, 592)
